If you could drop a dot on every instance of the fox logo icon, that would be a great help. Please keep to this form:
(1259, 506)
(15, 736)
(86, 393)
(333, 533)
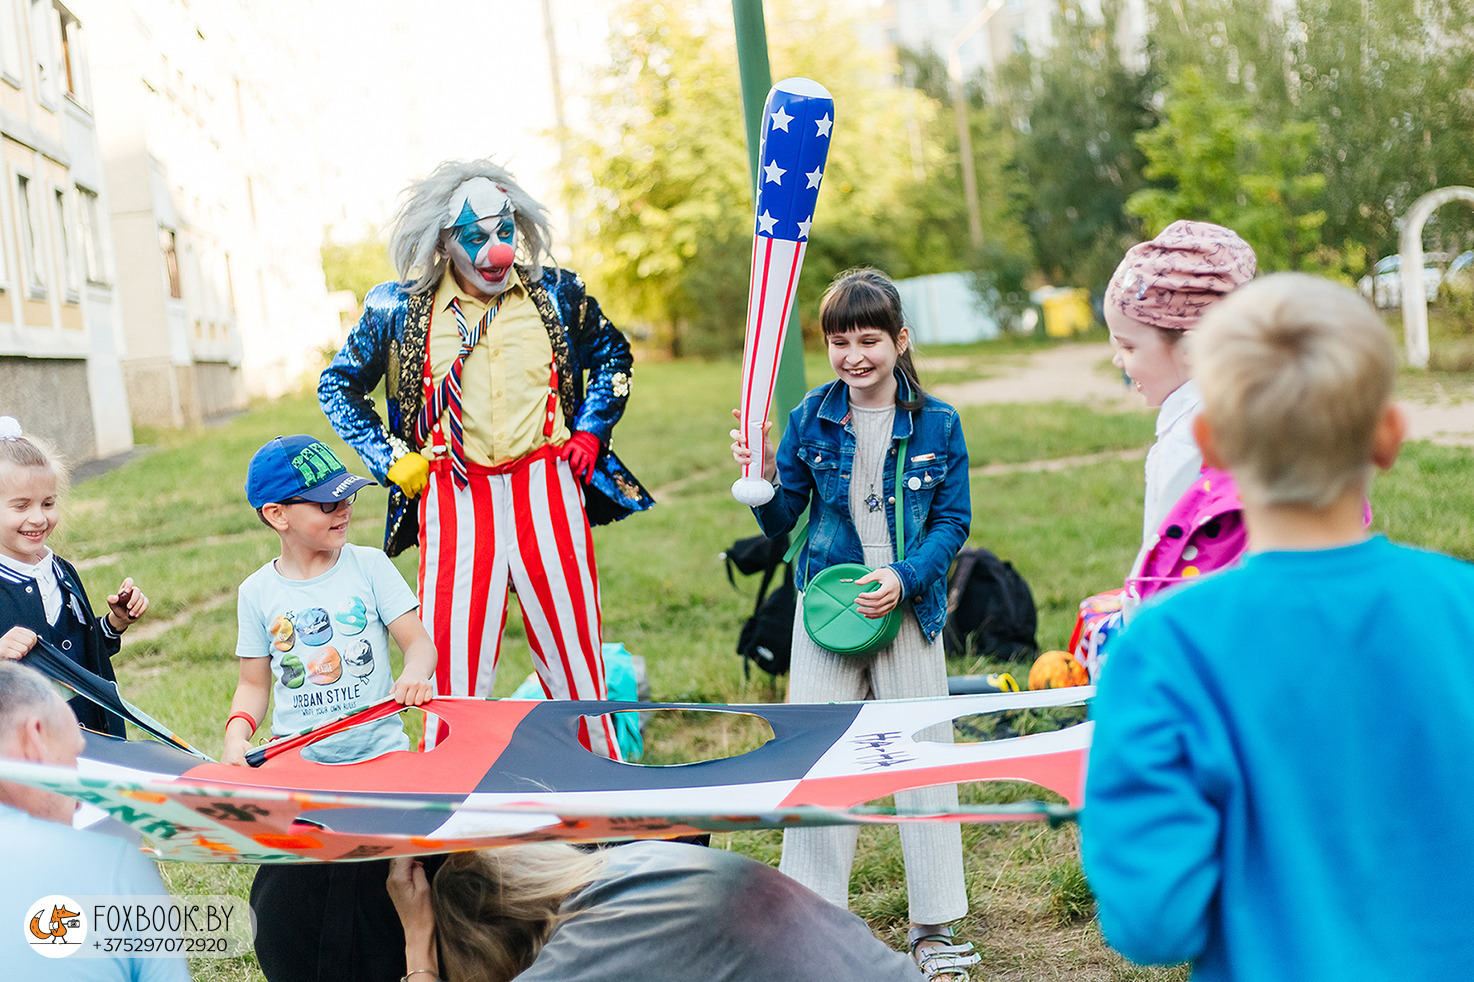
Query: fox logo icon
(56, 926)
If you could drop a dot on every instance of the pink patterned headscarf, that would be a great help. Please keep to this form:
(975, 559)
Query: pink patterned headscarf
(1172, 280)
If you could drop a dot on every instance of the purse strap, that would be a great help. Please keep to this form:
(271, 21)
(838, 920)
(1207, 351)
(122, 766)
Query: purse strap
(900, 501)
(801, 534)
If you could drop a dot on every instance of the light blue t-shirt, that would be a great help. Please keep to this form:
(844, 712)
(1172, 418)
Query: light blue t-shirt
(44, 859)
(328, 641)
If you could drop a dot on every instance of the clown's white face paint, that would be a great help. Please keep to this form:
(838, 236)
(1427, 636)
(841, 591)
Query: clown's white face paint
(481, 239)
(481, 255)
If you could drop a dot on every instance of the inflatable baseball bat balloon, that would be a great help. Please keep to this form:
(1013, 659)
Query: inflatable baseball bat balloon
(797, 120)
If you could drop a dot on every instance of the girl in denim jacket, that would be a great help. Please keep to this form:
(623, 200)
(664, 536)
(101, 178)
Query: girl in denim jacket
(838, 460)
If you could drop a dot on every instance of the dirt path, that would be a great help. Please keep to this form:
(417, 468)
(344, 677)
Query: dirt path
(1075, 373)
(1448, 423)
(1069, 372)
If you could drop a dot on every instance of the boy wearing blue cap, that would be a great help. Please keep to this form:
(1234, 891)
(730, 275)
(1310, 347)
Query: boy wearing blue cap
(314, 623)
(314, 629)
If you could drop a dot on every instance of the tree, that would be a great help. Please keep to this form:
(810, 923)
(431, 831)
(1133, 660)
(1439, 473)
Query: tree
(667, 188)
(1076, 111)
(1389, 85)
(356, 266)
(1005, 261)
(1372, 95)
(1240, 48)
(1220, 164)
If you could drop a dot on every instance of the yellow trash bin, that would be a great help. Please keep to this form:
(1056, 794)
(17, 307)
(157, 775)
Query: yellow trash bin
(1067, 311)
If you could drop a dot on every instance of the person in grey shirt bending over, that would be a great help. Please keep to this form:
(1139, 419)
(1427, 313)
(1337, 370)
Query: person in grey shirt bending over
(653, 911)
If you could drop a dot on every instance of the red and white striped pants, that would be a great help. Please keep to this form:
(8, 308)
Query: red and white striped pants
(523, 526)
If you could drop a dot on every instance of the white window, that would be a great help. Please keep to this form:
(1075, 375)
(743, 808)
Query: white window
(4, 257)
(11, 65)
(29, 234)
(229, 284)
(71, 58)
(94, 247)
(170, 248)
(43, 50)
(66, 247)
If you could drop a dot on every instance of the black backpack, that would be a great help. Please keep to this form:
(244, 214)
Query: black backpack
(766, 638)
(990, 609)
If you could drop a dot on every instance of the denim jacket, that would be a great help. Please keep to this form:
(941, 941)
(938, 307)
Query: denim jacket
(814, 464)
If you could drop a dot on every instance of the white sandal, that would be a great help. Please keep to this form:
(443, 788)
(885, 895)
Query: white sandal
(941, 960)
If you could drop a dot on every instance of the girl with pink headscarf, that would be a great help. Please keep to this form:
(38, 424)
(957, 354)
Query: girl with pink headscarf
(1190, 522)
(1156, 296)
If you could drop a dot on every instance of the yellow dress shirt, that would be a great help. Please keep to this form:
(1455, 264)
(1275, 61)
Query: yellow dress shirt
(507, 377)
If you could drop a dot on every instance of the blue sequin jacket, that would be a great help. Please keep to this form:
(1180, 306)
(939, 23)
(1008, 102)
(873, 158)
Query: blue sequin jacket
(389, 344)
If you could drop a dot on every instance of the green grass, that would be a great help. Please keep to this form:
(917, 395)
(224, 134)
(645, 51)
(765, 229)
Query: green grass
(176, 520)
(1009, 433)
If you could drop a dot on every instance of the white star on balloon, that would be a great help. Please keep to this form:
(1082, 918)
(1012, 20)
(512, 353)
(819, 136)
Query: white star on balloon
(766, 222)
(824, 124)
(774, 172)
(781, 120)
(803, 227)
(814, 177)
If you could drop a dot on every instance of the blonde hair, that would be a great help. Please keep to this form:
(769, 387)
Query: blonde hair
(28, 451)
(1295, 373)
(496, 908)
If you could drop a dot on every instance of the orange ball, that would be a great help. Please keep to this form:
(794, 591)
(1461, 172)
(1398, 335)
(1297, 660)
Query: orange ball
(1057, 670)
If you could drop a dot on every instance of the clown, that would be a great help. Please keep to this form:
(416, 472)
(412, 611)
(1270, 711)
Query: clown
(496, 449)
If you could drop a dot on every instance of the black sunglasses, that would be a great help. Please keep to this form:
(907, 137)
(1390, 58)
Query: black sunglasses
(328, 507)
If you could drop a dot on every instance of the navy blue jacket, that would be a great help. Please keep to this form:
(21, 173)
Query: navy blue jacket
(389, 345)
(814, 464)
(21, 606)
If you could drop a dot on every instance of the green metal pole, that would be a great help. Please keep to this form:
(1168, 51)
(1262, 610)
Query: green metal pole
(757, 79)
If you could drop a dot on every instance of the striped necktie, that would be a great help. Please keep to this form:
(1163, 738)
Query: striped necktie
(447, 395)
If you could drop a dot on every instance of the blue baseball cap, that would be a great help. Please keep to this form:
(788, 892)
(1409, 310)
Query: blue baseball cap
(300, 467)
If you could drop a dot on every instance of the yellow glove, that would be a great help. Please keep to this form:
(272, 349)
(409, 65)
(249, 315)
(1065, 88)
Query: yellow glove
(410, 473)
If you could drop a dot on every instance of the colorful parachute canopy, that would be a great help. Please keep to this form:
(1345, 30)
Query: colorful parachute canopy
(512, 771)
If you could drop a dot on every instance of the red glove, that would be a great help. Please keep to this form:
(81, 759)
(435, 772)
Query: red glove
(581, 450)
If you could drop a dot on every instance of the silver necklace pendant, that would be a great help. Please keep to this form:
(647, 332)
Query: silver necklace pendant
(872, 501)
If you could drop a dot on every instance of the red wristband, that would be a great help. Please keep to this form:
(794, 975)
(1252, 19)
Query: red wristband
(241, 714)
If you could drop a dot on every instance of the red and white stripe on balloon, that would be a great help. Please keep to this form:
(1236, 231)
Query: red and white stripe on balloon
(797, 123)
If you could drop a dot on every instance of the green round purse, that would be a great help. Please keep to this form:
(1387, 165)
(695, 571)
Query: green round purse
(833, 620)
(830, 616)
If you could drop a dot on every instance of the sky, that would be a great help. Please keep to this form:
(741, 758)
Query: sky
(410, 85)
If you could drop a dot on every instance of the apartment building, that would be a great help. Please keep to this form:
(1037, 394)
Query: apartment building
(61, 331)
(205, 122)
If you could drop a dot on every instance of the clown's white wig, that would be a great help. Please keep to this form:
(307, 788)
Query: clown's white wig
(414, 234)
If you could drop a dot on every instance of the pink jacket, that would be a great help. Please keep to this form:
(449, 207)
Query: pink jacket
(1202, 533)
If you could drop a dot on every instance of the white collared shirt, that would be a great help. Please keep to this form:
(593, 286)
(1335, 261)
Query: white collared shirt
(1174, 460)
(47, 581)
(1172, 464)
